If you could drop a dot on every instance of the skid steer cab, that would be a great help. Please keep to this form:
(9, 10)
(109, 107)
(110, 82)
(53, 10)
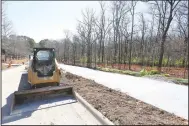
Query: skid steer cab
(43, 68)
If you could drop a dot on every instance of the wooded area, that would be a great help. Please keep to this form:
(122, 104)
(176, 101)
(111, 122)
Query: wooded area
(159, 37)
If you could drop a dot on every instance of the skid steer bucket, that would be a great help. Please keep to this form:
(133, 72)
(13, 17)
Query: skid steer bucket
(31, 100)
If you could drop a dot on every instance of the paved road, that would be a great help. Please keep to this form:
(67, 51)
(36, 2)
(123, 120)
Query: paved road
(65, 114)
(167, 96)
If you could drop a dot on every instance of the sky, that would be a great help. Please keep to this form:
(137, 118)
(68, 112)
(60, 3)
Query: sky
(49, 19)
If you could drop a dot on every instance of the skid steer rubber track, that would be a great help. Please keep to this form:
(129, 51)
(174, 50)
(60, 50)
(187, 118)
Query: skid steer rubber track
(40, 98)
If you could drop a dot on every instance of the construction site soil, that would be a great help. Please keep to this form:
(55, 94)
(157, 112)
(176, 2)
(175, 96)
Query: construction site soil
(118, 107)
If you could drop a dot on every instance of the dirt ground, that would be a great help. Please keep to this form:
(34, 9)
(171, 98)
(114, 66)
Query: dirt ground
(20, 61)
(172, 71)
(5, 67)
(16, 61)
(118, 107)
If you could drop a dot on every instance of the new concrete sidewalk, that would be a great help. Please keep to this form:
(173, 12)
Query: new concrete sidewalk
(75, 113)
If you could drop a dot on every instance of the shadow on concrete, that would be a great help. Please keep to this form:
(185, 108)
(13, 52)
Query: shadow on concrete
(6, 109)
(24, 85)
(26, 110)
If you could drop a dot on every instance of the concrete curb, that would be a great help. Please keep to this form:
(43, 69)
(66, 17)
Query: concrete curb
(93, 111)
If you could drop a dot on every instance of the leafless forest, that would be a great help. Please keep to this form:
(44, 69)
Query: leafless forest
(113, 38)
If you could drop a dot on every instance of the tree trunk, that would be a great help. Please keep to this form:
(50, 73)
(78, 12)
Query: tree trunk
(161, 53)
(88, 56)
(103, 51)
(185, 51)
(130, 56)
(95, 55)
(99, 52)
(119, 58)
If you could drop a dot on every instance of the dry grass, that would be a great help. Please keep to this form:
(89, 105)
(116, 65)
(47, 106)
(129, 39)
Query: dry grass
(19, 61)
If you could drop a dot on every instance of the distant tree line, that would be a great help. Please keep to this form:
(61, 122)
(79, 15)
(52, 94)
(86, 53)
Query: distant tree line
(114, 37)
(17, 46)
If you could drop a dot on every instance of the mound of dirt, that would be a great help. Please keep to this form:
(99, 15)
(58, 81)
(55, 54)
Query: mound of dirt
(118, 107)
(70, 76)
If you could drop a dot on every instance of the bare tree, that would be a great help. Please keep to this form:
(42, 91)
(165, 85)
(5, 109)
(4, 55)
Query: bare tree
(66, 42)
(156, 41)
(125, 33)
(167, 10)
(119, 9)
(103, 27)
(132, 11)
(6, 23)
(143, 27)
(152, 34)
(6, 29)
(57, 49)
(182, 26)
(86, 31)
(74, 48)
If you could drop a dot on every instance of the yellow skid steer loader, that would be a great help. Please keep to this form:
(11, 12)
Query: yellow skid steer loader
(44, 80)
